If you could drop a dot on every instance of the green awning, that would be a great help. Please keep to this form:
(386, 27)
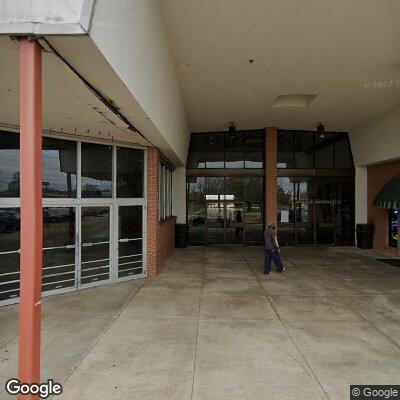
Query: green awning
(389, 196)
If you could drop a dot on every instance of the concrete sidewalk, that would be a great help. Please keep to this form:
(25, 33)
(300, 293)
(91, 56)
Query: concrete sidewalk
(212, 326)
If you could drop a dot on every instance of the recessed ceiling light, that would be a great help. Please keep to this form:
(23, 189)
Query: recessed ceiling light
(294, 100)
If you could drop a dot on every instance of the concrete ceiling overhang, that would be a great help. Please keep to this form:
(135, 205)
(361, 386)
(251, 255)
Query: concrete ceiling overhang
(69, 106)
(344, 52)
(71, 102)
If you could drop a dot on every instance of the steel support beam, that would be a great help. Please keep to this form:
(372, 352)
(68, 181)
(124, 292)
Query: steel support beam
(31, 212)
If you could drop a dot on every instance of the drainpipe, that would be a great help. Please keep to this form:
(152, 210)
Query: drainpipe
(31, 212)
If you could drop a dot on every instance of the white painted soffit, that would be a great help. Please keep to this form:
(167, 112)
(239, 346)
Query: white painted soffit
(70, 108)
(46, 17)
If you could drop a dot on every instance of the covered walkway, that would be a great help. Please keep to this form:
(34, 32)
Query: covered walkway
(212, 326)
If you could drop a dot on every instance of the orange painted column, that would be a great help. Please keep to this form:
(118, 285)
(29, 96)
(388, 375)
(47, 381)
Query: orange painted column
(271, 174)
(31, 212)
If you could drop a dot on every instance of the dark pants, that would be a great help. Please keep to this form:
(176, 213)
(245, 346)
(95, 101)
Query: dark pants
(272, 255)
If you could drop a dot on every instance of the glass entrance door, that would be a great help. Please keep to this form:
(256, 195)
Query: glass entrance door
(225, 214)
(304, 210)
(59, 256)
(95, 245)
(234, 222)
(215, 222)
(130, 241)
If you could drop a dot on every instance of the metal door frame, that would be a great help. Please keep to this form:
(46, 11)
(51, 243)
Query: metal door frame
(79, 202)
(224, 202)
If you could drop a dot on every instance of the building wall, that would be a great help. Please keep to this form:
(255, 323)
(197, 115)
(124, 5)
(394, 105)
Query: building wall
(166, 241)
(160, 234)
(378, 176)
(131, 36)
(377, 141)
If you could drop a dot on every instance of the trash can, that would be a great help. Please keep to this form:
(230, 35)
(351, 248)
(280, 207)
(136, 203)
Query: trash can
(181, 236)
(365, 236)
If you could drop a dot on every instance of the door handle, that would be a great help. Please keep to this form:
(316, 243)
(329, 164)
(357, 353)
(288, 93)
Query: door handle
(123, 240)
(70, 246)
(87, 244)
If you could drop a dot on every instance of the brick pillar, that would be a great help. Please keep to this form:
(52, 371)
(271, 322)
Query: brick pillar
(153, 171)
(271, 174)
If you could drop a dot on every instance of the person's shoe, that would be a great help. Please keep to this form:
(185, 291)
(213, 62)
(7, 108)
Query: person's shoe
(284, 269)
(266, 273)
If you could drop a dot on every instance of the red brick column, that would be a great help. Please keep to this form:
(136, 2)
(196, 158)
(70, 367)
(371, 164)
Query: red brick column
(153, 171)
(271, 174)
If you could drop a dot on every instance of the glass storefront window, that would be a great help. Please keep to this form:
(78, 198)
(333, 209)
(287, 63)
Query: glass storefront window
(393, 227)
(304, 149)
(9, 253)
(197, 151)
(304, 210)
(59, 159)
(324, 150)
(196, 219)
(308, 150)
(215, 188)
(63, 247)
(225, 210)
(234, 150)
(240, 149)
(254, 210)
(215, 150)
(96, 171)
(196, 188)
(234, 189)
(285, 149)
(254, 149)
(130, 172)
(286, 210)
(9, 162)
(343, 156)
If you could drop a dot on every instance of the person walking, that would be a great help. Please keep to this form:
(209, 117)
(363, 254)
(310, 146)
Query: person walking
(272, 250)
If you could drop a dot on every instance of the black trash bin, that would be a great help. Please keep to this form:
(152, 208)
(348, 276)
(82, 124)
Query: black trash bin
(365, 236)
(181, 236)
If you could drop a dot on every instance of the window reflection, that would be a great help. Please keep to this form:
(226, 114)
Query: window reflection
(304, 149)
(96, 170)
(130, 172)
(215, 150)
(234, 157)
(254, 149)
(254, 210)
(324, 150)
(240, 149)
(308, 150)
(286, 210)
(196, 188)
(130, 246)
(343, 156)
(59, 168)
(9, 255)
(9, 162)
(196, 221)
(197, 151)
(285, 149)
(59, 248)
